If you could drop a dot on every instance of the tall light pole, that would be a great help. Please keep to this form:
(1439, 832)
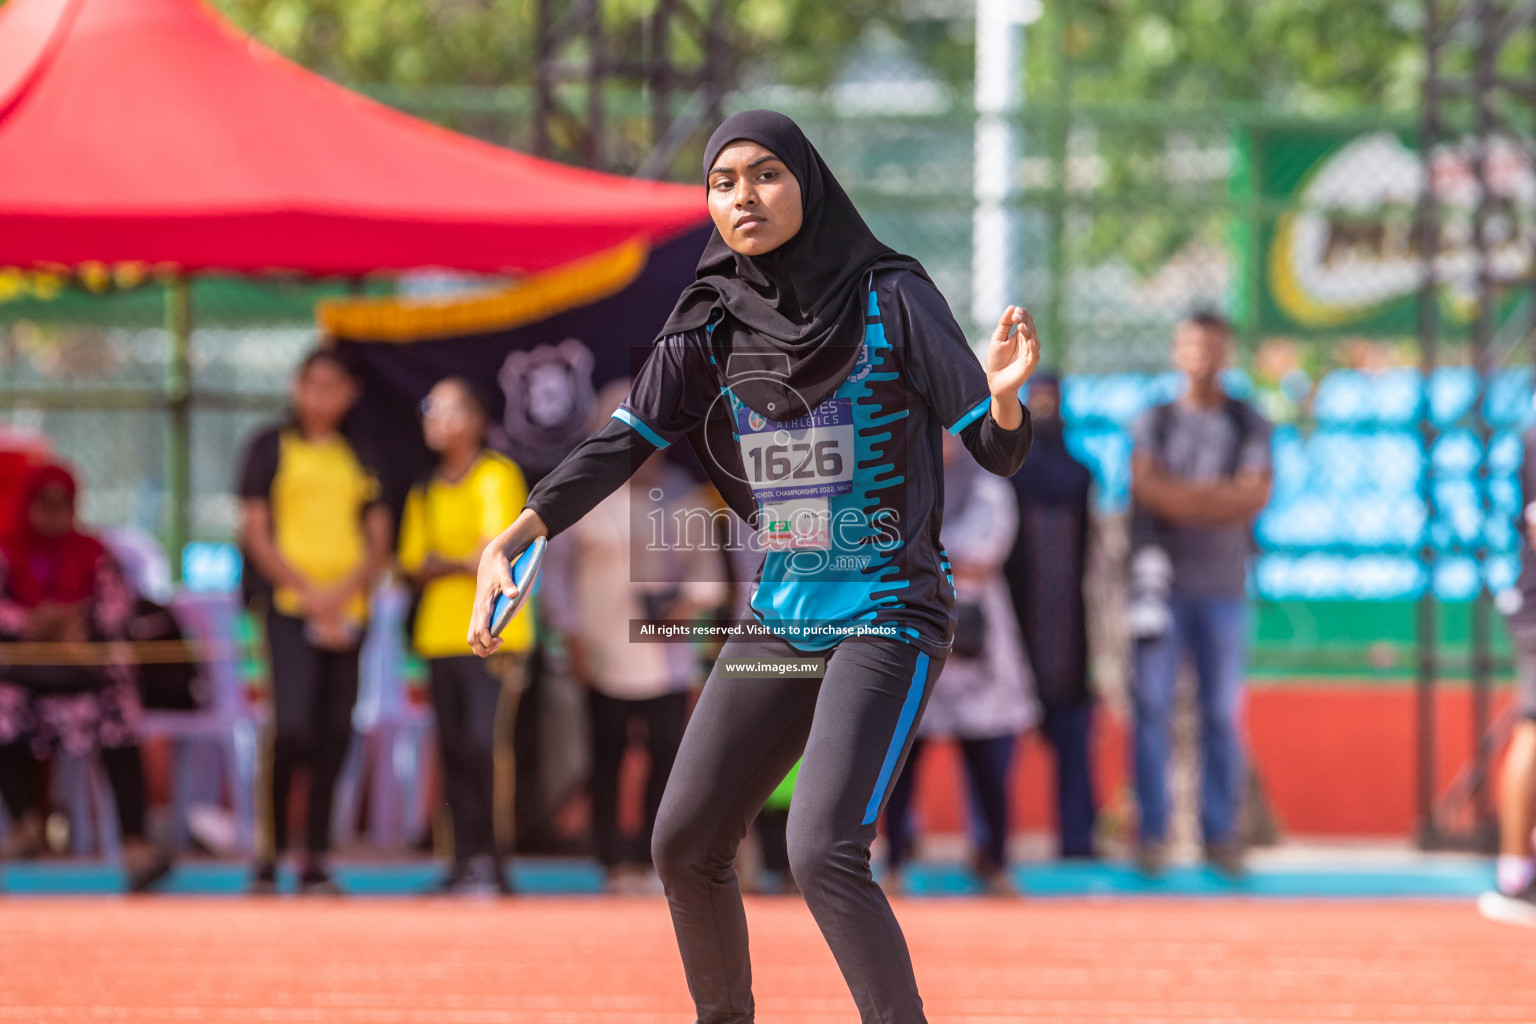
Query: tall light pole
(999, 92)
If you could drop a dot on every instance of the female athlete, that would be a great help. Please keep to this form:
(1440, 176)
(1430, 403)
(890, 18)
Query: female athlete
(812, 369)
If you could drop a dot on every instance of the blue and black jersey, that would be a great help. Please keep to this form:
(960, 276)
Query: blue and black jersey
(848, 498)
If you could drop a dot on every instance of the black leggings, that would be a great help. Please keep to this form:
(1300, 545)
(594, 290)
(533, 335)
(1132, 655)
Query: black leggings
(853, 727)
(124, 768)
(464, 696)
(664, 718)
(986, 769)
(313, 693)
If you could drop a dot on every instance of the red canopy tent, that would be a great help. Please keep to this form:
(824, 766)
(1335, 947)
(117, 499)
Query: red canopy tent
(152, 131)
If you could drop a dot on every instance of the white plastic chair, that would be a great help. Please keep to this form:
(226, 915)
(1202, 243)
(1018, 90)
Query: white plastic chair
(227, 721)
(389, 738)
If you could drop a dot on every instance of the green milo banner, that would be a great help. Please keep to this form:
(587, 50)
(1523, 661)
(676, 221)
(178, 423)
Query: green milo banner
(1337, 249)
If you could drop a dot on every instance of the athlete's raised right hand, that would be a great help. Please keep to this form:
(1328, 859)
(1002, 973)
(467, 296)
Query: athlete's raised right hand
(494, 577)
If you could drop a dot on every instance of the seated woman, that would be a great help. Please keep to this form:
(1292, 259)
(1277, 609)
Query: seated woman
(58, 585)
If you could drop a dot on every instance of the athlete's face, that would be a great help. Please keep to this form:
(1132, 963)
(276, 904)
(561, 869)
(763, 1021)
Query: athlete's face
(753, 199)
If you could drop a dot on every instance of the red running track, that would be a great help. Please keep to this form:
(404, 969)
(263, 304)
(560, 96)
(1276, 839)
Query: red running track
(612, 961)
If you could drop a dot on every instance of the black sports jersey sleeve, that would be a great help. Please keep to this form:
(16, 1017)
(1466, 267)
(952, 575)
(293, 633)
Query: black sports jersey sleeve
(950, 378)
(669, 397)
(595, 469)
(673, 391)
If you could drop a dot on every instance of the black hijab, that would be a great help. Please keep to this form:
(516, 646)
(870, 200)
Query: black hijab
(1052, 475)
(799, 307)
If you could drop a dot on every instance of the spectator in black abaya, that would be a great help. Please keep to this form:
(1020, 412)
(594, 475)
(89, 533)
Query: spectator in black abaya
(1045, 572)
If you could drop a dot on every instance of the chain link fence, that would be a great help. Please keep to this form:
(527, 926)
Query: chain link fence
(1121, 221)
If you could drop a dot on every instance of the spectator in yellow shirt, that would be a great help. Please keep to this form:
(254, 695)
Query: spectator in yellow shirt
(470, 498)
(315, 536)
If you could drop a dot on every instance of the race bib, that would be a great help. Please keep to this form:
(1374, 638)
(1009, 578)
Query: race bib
(794, 466)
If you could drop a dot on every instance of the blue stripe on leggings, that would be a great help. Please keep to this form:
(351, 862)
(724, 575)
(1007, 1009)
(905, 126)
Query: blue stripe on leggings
(903, 726)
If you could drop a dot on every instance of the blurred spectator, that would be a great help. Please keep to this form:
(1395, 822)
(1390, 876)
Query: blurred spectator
(143, 561)
(984, 696)
(165, 683)
(470, 497)
(609, 570)
(58, 586)
(315, 534)
(1515, 897)
(21, 451)
(1200, 476)
(771, 826)
(1046, 570)
(1283, 383)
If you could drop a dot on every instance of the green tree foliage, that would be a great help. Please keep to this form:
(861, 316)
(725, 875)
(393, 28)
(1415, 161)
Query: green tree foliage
(1301, 55)
(490, 42)
(1156, 62)
(442, 58)
(397, 42)
(1307, 55)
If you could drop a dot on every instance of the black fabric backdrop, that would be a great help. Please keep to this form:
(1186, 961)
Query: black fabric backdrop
(618, 331)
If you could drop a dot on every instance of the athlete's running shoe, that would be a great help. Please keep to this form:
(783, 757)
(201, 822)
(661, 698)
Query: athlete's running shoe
(1518, 908)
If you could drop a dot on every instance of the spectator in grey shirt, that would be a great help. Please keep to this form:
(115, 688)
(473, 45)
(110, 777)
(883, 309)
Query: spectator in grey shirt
(1200, 475)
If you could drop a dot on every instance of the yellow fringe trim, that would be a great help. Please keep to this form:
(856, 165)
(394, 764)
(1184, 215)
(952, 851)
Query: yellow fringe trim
(538, 296)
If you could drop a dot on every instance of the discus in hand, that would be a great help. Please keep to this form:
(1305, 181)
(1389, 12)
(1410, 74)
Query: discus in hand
(525, 569)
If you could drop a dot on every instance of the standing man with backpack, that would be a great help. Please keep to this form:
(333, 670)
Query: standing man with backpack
(1200, 475)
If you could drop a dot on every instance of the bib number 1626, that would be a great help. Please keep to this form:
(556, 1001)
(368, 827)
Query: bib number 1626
(800, 461)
